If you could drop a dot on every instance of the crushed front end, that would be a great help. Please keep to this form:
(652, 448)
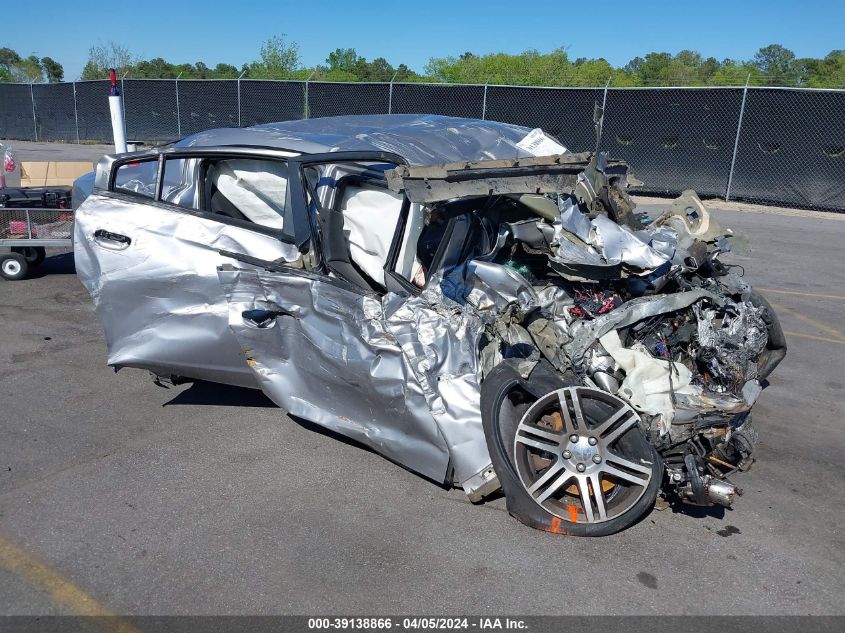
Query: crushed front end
(569, 281)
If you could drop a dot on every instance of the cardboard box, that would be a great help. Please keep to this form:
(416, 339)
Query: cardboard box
(53, 173)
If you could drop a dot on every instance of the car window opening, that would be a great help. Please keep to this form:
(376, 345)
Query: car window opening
(358, 217)
(501, 229)
(137, 178)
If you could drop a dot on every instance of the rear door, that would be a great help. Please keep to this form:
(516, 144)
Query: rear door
(148, 247)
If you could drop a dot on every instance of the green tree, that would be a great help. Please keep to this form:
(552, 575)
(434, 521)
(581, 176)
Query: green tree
(104, 56)
(29, 70)
(591, 72)
(651, 70)
(403, 73)
(825, 73)
(8, 61)
(708, 69)
(227, 70)
(377, 70)
(279, 59)
(342, 59)
(156, 68)
(530, 67)
(15, 68)
(53, 70)
(776, 63)
(735, 73)
(8, 57)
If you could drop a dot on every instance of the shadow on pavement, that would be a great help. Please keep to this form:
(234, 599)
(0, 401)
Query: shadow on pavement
(698, 512)
(208, 393)
(61, 264)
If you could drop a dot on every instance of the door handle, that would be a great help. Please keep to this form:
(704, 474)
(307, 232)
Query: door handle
(112, 240)
(264, 318)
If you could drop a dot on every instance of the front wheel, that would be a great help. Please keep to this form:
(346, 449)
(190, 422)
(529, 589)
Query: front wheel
(572, 460)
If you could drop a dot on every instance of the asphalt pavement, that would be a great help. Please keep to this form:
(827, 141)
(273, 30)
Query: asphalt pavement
(120, 496)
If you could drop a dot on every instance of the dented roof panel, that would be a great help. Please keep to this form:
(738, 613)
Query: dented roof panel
(422, 139)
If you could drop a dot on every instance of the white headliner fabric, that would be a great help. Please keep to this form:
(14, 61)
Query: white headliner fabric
(255, 187)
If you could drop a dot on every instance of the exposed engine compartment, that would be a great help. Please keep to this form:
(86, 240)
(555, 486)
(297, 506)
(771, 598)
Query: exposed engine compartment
(642, 309)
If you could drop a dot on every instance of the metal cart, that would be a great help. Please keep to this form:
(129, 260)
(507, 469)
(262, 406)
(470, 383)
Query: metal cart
(29, 232)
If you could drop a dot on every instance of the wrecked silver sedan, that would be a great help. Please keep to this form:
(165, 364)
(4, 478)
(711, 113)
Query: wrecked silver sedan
(467, 298)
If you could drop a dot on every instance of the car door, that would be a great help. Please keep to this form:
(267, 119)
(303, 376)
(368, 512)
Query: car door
(318, 341)
(148, 245)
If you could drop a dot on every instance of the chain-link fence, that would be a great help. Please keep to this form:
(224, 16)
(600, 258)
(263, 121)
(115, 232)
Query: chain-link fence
(672, 136)
(91, 109)
(151, 109)
(17, 111)
(773, 145)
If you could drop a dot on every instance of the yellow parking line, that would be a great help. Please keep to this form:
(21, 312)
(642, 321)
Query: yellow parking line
(62, 591)
(802, 294)
(814, 337)
(816, 324)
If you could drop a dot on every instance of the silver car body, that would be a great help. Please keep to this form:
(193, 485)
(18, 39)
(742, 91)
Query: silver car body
(398, 374)
(295, 258)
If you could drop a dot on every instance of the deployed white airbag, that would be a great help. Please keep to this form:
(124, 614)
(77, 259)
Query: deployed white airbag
(647, 386)
(370, 217)
(255, 187)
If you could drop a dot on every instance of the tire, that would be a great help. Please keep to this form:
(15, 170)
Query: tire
(508, 404)
(13, 266)
(34, 255)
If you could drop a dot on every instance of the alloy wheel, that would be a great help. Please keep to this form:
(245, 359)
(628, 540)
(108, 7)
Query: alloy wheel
(574, 458)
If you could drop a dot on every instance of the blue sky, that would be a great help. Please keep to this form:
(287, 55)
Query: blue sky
(412, 32)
